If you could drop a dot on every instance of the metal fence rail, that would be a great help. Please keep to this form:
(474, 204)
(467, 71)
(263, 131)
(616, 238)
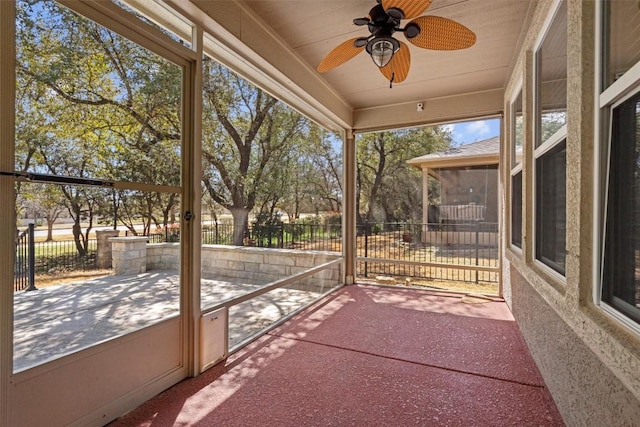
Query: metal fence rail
(317, 237)
(33, 258)
(460, 252)
(24, 268)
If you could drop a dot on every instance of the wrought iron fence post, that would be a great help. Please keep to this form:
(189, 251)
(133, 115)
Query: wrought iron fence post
(366, 247)
(477, 246)
(32, 259)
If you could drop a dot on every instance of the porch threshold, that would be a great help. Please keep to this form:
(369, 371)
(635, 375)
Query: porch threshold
(370, 355)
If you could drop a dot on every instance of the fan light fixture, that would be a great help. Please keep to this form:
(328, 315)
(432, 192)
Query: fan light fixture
(382, 49)
(391, 56)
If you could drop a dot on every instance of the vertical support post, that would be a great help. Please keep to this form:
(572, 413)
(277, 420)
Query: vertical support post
(7, 201)
(281, 236)
(349, 207)
(191, 201)
(425, 204)
(31, 256)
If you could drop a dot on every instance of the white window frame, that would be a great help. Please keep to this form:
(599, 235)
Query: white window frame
(549, 143)
(514, 165)
(606, 100)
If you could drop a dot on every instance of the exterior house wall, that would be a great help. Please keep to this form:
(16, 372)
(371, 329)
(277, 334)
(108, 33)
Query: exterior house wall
(589, 360)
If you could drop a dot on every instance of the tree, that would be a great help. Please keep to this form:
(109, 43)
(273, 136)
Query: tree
(45, 203)
(388, 188)
(93, 104)
(245, 131)
(326, 170)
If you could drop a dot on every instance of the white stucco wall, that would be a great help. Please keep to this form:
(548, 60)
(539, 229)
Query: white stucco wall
(589, 361)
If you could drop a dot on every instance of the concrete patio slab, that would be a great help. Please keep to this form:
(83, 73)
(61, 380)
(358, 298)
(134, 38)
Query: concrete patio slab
(60, 319)
(421, 327)
(350, 378)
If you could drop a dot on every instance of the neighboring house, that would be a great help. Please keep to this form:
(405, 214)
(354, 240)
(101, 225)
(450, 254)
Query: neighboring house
(468, 177)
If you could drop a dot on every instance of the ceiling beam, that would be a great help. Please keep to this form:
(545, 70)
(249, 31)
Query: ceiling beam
(435, 111)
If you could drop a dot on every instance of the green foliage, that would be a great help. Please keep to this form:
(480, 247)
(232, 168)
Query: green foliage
(333, 219)
(267, 229)
(92, 104)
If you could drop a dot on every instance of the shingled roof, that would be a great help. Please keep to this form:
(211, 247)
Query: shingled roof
(483, 152)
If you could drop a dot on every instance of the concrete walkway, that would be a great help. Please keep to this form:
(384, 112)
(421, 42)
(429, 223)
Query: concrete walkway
(57, 320)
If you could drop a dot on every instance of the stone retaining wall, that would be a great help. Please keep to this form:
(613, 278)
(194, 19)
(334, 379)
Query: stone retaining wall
(256, 265)
(129, 255)
(104, 254)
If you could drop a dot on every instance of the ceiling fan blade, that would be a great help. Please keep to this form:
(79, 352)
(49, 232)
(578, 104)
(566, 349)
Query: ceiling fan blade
(439, 33)
(410, 8)
(398, 68)
(341, 54)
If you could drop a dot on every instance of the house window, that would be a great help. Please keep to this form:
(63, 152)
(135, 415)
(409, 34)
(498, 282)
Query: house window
(551, 143)
(551, 207)
(621, 269)
(517, 137)
(620, 161)
(516, 209)
(621, 35)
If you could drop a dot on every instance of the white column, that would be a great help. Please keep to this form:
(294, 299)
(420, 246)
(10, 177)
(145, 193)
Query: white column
(425, 195)
(425, 203)
(7, 202)
(349, 208)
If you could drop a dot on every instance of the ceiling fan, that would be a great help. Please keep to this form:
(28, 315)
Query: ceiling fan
(392, 56)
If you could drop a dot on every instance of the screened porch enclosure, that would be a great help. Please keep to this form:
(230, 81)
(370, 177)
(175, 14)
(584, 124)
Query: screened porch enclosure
(258, 199)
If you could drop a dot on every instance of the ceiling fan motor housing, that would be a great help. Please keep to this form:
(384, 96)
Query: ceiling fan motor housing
(380, 19)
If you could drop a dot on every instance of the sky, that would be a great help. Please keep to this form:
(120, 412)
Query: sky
(467, 132)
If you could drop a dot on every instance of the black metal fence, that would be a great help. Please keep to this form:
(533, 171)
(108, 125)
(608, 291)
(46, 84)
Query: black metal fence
(462, 252)
(316, 237)
(33, 258)
(302, 237)
(439, 251)
(24, 268)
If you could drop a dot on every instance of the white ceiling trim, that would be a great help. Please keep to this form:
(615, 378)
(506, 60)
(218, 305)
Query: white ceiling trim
(309, 94)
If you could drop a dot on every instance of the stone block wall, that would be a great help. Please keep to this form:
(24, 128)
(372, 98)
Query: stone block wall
(256, 265)
(163, 256)
(129, 255)
(104, 254)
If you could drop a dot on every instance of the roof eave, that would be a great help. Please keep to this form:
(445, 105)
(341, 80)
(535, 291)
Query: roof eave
(462, 161)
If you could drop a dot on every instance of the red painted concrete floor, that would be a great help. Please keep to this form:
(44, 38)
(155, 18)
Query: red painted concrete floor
(370, 356)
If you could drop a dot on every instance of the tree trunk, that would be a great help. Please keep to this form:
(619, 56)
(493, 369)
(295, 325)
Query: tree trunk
(240, 221)
(50, 222)
(78, 237)
(114, 201)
